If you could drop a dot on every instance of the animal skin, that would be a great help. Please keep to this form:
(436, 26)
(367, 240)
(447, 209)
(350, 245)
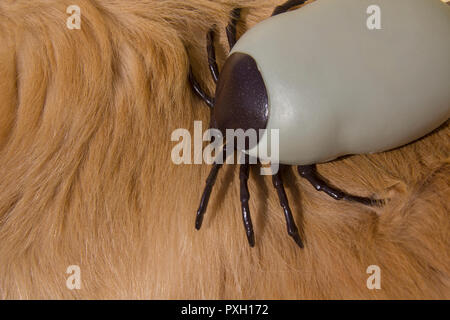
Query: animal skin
(86, 176)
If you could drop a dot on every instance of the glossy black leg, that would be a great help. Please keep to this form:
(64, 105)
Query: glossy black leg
(212, 55)
(214, 69)
(199, 91)
(286, 6)
(207, 191)
(290, 223)
(310, 173)
(245, 197)
(231, 28)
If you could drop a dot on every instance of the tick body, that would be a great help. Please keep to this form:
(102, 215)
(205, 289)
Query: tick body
(331, 86)
(335, 87)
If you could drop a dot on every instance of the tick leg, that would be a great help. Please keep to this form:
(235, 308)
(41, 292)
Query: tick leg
(245, 197)
(231, 35)
(212, 67)
(231, 28)
(212, 55)
(286, 6)
(208, 188)
(199, 91)
(310, 173)
(290, 223)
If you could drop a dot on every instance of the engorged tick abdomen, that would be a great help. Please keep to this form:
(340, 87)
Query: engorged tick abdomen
(335, 87)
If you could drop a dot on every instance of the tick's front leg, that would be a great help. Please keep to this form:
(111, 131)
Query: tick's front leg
(286, 6)
(231, 28)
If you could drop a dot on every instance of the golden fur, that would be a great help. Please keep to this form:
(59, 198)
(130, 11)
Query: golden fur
(86, 176)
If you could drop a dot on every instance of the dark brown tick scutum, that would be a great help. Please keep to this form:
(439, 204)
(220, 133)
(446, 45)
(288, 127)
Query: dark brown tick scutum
(241, 100)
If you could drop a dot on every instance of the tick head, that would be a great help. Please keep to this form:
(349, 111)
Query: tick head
(241, 100)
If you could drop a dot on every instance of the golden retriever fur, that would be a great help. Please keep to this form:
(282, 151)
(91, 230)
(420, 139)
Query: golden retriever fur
(86, 176)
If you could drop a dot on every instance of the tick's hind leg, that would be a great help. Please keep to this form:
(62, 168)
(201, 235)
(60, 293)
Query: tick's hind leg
(245, 197)
(310, 173)
(290, 223)
(206, 194)
(210, 181)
